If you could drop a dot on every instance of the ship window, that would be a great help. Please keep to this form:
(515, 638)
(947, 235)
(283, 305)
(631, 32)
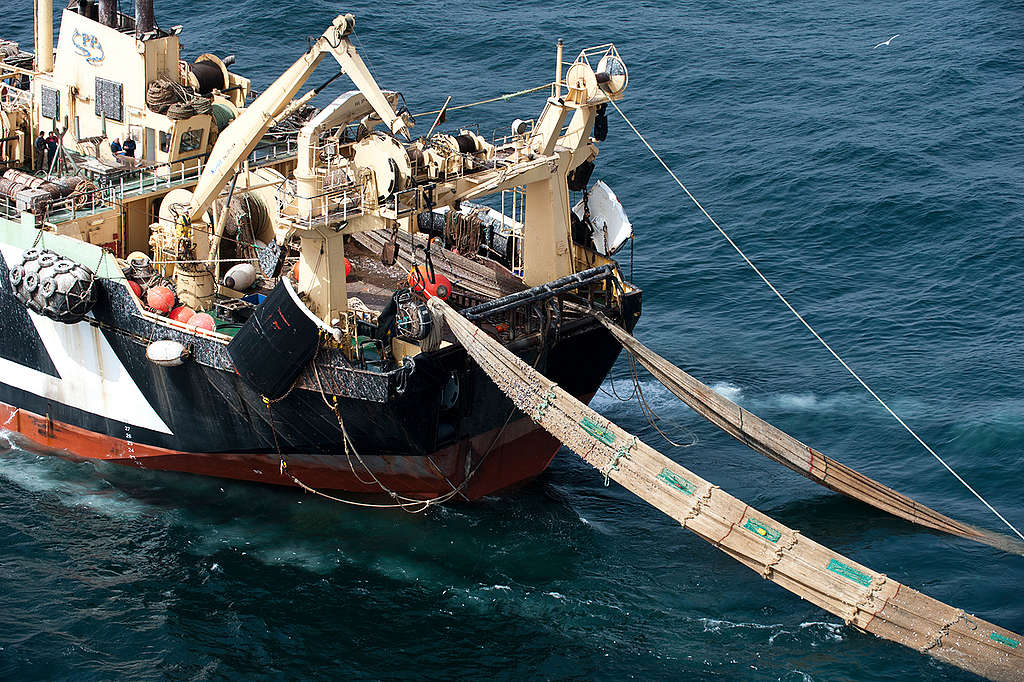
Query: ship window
(50, 102)
(191, 140)
(154, 210)
(149, 150)
(109, 99)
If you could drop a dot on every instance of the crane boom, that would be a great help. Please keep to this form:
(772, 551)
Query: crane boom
(241, 137)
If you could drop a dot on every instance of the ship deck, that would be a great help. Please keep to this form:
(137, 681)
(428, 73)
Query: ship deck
(117, 185)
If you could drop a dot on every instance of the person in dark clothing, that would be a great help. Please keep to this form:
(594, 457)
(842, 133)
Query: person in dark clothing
(39, 146)
(115, 147)
(129, 146)
(51, 149)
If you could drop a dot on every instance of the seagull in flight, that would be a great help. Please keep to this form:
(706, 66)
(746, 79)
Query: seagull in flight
(886, 43)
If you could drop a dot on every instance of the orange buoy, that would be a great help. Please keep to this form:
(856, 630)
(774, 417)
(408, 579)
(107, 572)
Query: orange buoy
(160, 299)
(136, 289)
(203, 321)
(182, 313)
(419, 281)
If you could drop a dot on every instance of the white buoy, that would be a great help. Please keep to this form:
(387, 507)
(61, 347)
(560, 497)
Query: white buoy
(240, 277)
(166, 353)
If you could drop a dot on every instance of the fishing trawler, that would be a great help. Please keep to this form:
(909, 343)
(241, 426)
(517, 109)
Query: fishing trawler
(199, 279)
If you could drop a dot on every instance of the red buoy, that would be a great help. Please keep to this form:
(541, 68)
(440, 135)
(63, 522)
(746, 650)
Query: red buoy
(203, 321)
(160, 299)
(419, 281)
(136, 289)
(348, 268)
(182, 313)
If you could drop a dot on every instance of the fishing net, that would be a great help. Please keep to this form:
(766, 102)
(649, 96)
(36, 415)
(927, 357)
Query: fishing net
(863, 598)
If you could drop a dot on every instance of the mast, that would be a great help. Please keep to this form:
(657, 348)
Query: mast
(44, 35)
(108, 13)
(145, 21)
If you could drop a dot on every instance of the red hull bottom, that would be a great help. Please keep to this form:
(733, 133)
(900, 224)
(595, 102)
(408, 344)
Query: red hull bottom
(491, 462)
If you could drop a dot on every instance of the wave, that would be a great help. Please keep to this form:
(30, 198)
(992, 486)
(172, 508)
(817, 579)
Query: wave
(812, 633)
(664, 400)
(728, 390)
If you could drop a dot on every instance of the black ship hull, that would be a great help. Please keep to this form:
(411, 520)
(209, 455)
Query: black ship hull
(433, 427)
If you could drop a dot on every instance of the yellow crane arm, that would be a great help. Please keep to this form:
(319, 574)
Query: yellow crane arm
(240, 138)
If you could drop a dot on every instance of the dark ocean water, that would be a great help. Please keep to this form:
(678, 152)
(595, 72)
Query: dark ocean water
(880, 189)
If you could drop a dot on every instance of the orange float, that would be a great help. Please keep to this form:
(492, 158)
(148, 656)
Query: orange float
(160, 299)
(420, 282)
(203, 321)
(182, 314)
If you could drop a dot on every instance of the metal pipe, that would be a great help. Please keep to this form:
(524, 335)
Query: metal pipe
(145, 21)
(558, 69)
(539, 293)
(44, 35)
(108, 13)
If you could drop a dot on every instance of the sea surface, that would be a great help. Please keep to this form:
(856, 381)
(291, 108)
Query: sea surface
(882, 191)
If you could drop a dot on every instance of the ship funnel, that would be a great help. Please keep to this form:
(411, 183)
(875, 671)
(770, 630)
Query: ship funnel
(108, 13)
(145, 21)
(44, 35)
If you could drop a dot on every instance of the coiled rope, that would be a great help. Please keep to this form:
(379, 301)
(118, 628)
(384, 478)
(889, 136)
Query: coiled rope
(175, 100)
(810, 328)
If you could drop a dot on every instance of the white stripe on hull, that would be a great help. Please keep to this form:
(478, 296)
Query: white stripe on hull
(92, 377)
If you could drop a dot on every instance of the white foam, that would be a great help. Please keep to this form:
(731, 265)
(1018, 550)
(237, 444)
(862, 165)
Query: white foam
(728, 390)
(831, 632)
(716, 625)
(310, 560)
(36, 476)
(802, 401)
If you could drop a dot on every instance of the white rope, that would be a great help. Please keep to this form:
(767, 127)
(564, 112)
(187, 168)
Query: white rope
(811, 329)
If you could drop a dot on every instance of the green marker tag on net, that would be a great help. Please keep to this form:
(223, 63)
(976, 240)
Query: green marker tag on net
(758, 528)
(677, 481)
(597, 431)
(1003, 639)
(849, 572)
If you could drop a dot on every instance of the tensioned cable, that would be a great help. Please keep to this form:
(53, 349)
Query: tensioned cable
(506, 97)
(809, 327)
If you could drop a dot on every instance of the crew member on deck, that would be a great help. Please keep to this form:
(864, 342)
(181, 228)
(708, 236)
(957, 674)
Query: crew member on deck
(39, 146)
(51, 149)
(129, 146)
(115, 147)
